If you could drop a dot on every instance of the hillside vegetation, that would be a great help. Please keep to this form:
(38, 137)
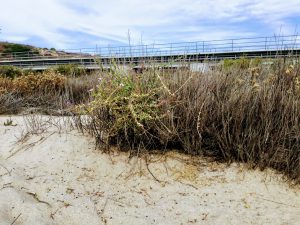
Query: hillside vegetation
(6, 47)
(12, 49)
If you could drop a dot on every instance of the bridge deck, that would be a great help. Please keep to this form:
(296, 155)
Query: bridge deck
(263, 47)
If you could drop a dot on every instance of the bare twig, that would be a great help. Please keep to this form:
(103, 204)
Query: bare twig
(147, 165)
(9, 172)
(35, 196)
(187, 184)
(280, 203)
(103, 209)
(16, 219)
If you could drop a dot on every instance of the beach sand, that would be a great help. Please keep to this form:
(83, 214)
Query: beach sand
(51, 174)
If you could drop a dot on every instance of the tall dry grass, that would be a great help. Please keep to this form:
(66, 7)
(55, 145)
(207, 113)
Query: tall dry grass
(236, 113)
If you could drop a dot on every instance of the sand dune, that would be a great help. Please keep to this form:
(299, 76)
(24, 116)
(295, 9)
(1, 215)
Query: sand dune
(55, 175)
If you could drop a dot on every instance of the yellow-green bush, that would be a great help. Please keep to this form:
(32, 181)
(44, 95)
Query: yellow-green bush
(70, 70)
(39, 83)
(242, 63)
(46, 90)
(10, 71)
(130, 102)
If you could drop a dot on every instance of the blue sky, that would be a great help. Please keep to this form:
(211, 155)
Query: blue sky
(71, 24)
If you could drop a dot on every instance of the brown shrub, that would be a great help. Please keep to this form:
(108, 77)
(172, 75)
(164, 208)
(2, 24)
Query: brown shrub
(47, 91)
(39, 83)
(238, 114)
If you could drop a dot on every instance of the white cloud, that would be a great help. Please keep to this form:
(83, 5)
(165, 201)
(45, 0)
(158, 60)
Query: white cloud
(174, 20)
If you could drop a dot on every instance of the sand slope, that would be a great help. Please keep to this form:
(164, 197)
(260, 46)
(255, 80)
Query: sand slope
(57, 177)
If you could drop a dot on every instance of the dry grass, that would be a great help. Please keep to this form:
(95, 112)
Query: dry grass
(45, 91)
(241, 113)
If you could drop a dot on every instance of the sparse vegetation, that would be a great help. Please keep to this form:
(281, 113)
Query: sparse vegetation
(9, 122)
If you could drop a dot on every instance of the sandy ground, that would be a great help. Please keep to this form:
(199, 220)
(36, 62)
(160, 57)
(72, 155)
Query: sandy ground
(56, 176)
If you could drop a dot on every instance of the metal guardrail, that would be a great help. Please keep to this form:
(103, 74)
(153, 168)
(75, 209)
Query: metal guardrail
(274, 43)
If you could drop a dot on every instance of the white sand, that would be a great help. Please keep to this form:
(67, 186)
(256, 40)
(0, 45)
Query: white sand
(59, 178)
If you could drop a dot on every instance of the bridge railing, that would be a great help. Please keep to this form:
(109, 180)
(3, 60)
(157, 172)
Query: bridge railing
(274, 43)
(92, 63)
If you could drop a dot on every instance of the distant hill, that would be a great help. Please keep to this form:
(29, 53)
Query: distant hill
(8, 50)
(6, 47)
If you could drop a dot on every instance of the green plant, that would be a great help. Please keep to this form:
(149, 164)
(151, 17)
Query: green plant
(9, 122)
(11, 47)
(132, 102)
(70, 70)
(242, 63)
(10, 71)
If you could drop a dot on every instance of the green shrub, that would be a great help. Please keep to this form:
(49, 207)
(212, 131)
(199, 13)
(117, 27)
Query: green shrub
(124, 104)
(242, 63)
(11, 47)
(70, 70)
(10, 71)
(256, 62)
